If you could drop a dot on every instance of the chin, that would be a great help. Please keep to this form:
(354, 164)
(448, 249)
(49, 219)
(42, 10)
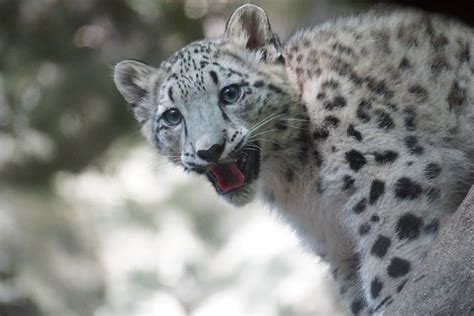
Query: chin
(242, 196)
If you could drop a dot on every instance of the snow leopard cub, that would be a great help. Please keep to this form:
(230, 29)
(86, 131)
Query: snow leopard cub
(359, 131)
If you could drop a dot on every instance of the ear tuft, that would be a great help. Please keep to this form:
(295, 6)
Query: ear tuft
(249, 26)
(132, 79)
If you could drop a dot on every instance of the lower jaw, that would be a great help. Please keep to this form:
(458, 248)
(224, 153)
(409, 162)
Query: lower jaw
(232, 191)
(241, 196)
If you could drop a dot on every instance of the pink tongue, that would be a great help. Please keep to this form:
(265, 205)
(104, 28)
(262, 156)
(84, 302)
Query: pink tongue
(228, 176)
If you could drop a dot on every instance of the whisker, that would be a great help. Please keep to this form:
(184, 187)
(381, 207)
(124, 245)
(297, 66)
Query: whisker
(258, 123)
(265, 132)
(295, 119)
(266, 121)
(162, 166)
(262, 139)
(253, 147)
(267, 140)
(296, 127)
(274, 116)
(244, 153)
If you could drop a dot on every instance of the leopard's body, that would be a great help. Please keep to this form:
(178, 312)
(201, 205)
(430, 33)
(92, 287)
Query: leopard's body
(365, 128)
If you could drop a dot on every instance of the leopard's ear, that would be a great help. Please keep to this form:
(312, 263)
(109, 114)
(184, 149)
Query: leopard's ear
(249, 26)
(134, 81)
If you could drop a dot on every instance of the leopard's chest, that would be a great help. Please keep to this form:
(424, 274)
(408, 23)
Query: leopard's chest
(308, 206)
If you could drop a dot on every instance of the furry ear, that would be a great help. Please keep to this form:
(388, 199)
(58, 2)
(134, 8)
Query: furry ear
(249, 26)
(134, 81)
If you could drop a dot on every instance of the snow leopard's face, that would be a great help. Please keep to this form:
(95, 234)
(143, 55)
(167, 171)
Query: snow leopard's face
(219, 108)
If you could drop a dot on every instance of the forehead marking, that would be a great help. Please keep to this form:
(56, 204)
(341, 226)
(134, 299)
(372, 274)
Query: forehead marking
(213, 75)
(170, 93)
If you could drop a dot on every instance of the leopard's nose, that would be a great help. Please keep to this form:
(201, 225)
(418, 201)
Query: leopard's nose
(212, 154)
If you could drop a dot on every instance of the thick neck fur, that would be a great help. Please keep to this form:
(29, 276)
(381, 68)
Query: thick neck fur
(290, 183)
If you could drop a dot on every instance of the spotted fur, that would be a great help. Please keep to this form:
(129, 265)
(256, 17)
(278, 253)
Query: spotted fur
(365, 128)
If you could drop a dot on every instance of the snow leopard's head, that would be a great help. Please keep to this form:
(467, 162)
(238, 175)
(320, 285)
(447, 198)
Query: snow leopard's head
(222, 108)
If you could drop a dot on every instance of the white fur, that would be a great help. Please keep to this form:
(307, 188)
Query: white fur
(312, 197)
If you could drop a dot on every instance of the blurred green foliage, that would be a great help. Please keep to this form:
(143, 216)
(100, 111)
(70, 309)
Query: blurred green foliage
(59, 109)
(56, 92)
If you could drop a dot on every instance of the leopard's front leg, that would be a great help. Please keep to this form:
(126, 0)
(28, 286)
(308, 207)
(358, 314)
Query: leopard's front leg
(395, 225)
(347, 278)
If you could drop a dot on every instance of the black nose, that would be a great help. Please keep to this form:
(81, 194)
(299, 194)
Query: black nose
(212, 154)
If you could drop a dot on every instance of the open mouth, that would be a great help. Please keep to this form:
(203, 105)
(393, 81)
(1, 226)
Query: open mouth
(235, 174)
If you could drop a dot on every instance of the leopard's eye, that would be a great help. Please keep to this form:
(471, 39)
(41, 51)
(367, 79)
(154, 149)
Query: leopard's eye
(230, 94)
(172, 117)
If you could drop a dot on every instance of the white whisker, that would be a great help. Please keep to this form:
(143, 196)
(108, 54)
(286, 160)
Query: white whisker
(265, 132)
(266, 121)
(296, 127)
(256, 125)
